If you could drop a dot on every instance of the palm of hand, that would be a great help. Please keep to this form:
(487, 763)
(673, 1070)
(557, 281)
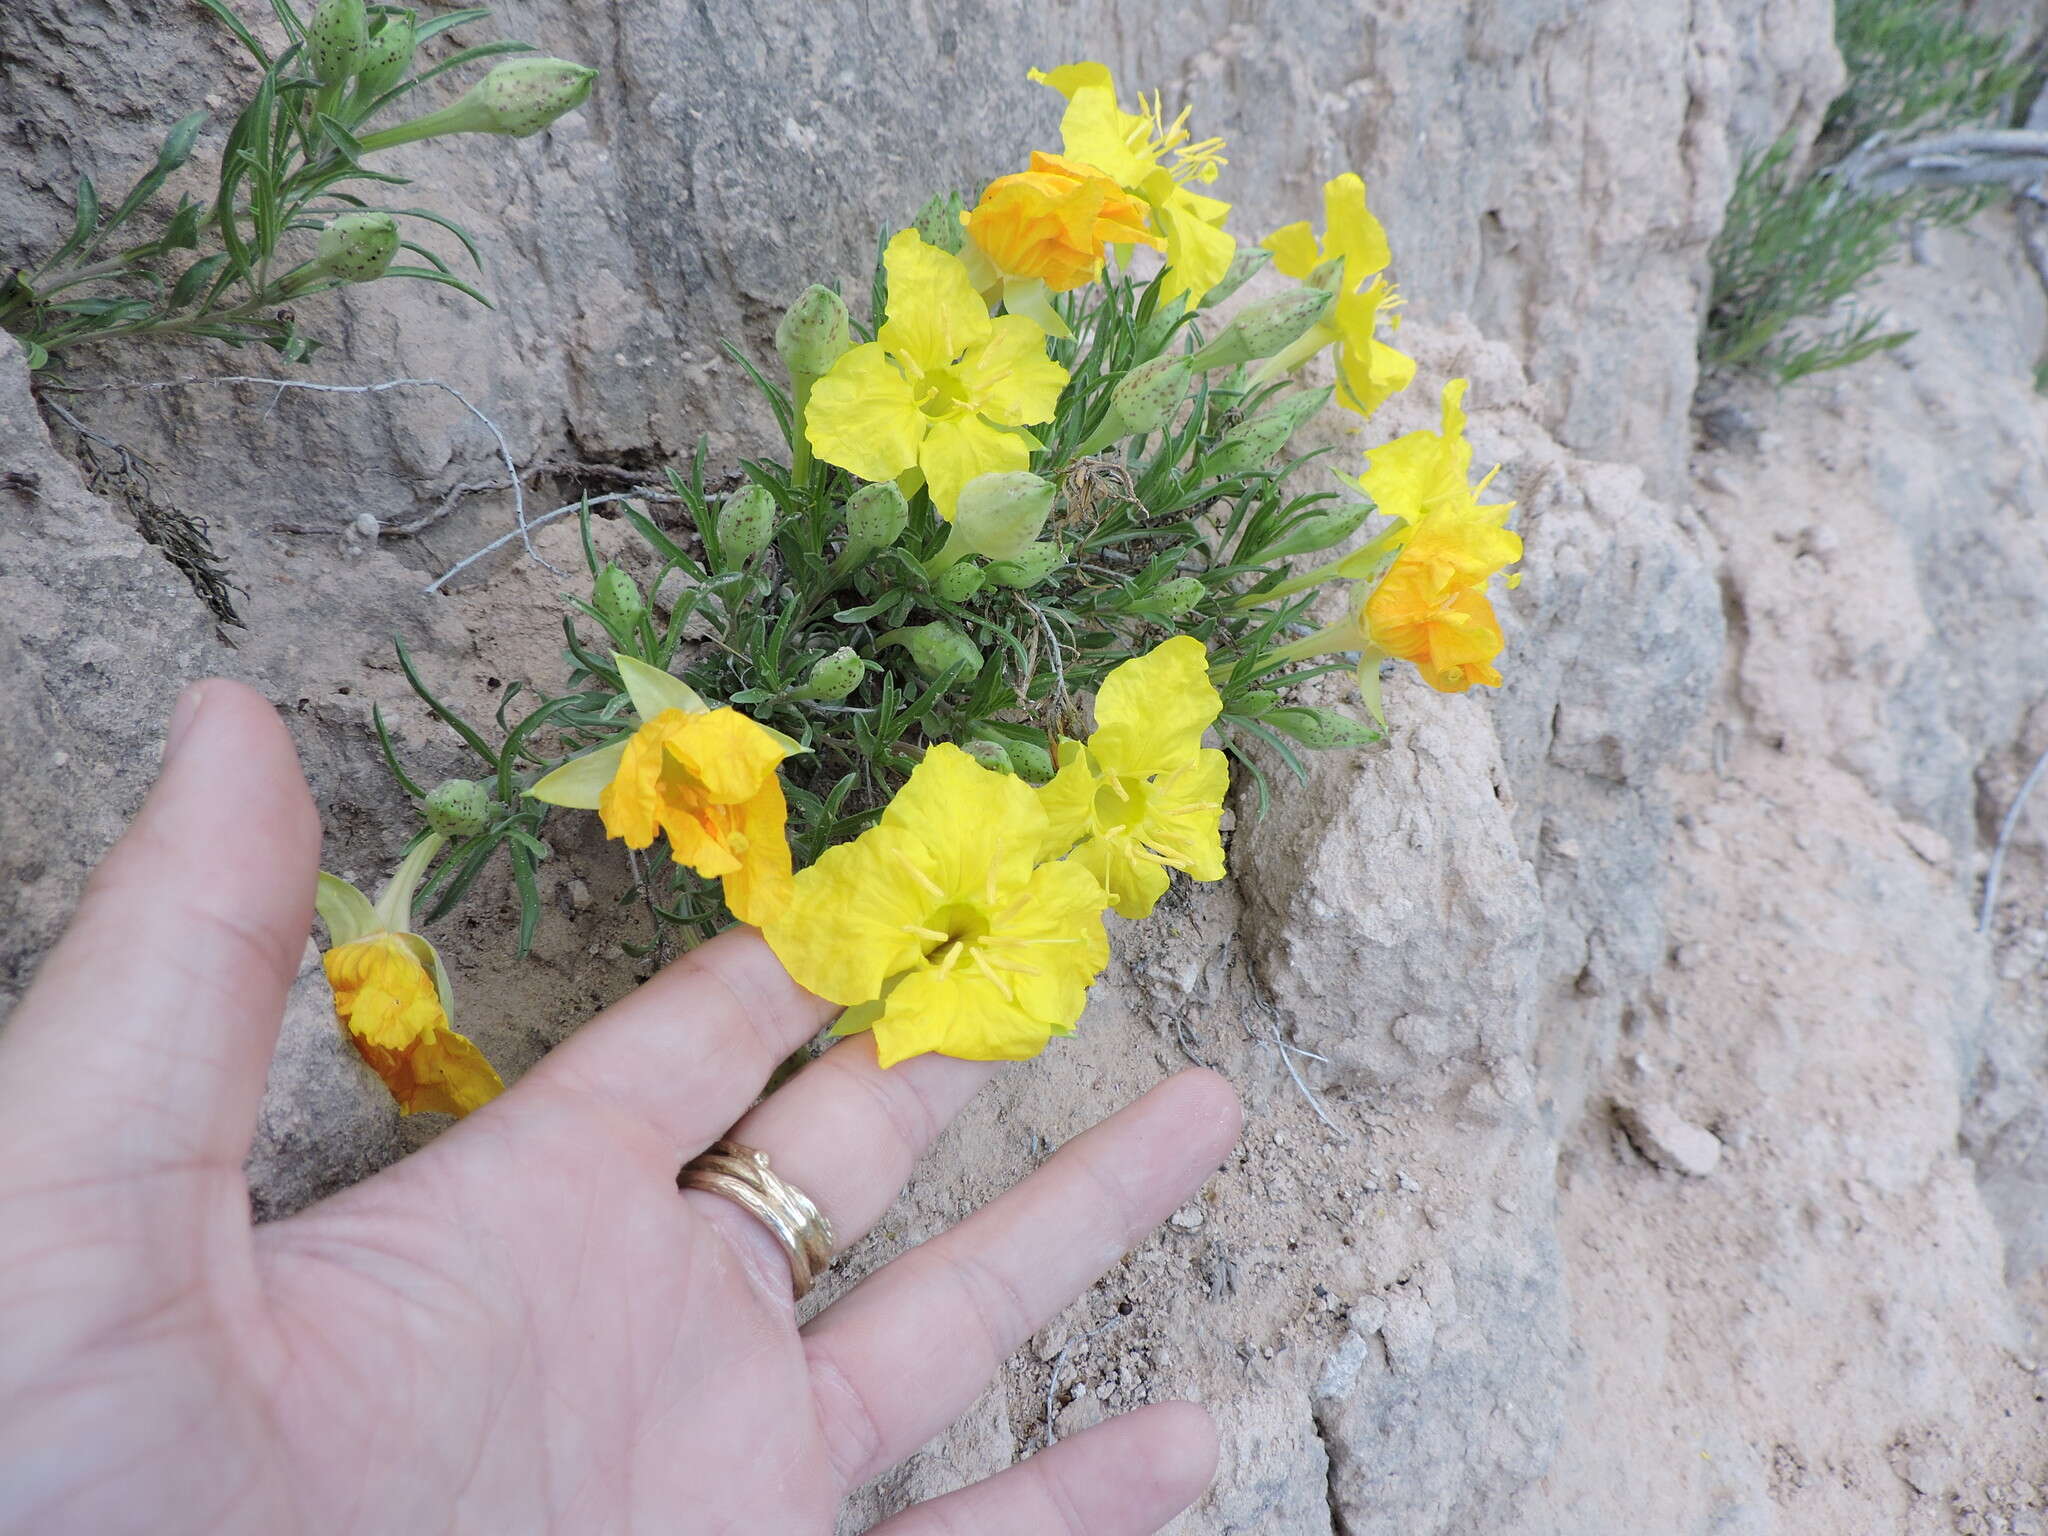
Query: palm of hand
(525, 1327)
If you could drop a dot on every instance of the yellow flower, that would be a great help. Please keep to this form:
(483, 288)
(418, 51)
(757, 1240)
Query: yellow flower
(1143, 795)
(939, 928)
(392, 994)
(1431, 608)
(704, 778)
(397, 1019)
(942, 390)
(1050, 223)
(1368, 370)
(1132, 148)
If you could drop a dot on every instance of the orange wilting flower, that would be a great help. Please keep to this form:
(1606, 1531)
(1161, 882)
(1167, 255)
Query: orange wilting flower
(1049, 224)
(1431, 608)
(398, 1022)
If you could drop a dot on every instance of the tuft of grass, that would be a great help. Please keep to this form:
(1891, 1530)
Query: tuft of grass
(1800, 241)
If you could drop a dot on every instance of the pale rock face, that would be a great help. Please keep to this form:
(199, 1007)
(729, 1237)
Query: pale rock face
(1713, 845)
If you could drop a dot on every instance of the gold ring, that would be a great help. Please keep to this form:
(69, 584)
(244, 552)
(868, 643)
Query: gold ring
(742, 1175)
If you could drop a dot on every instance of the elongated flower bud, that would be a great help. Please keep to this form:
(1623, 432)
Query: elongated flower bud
(990, 754)
(745, 524)
(999, 516)
(814, 333)
(617, 599)
(1145, 397)
(833, 677)
(518, 98)
(1249, 260)
(1154, 333)
(876, 516)
(1264, 328)
(335, 38)
(1314, 726)
(1256, 703)
(935, 648)
(1252, 444)
(1319, 530)
(938, 222)
(387, 55)
(1171, 599)
(458, 808)
(1028, 569)
(1030, 761)
(357, 247)
(959, 582)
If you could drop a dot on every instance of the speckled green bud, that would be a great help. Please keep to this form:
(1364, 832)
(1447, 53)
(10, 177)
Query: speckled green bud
(357, 247)
(1319, 530)
(1146, 397)
(876, 516)
(617, 598)
(1267, 327)
(1314, 726)
(814, 333)
(833, 677)
(959, 582)
(745, 524)
(934, 648)
(387, 55)
(1030, 761)
(1028, 569)
(458, 808)
(523, 96)
(1171, 599)
(1250, 259)
(1252, 444)
(938, 222)
(998, 516)
(1255, 703)
(990, 754)
(335, 38)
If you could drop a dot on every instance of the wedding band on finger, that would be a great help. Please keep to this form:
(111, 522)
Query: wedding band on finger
(742, 1175)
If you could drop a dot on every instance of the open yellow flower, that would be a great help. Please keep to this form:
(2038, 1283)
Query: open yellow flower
(1133, 149)
(943, 390)
(1352, 252)
(1042, 231)
(1143, 796)
(704, 778)
(392, 996)
(939, 929)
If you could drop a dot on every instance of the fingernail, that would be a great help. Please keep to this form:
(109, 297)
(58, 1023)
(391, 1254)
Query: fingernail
(182, 716)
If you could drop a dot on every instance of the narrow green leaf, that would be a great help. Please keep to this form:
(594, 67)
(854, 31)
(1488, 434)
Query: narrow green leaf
(233, 23)
(429, 275)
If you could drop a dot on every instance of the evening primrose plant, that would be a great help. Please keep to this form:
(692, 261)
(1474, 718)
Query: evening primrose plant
(967, 664)
(295, 209)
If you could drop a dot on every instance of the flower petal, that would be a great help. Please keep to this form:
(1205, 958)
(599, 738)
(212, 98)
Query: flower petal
(955, 452)
(759, 891)
(653, 690)
(1351, 231)
(1294, 249)
(1066, 798)
(979, 830)
(1008, 378)
(1151, 711)
(845, 931)
(934, 312)
(863, 415)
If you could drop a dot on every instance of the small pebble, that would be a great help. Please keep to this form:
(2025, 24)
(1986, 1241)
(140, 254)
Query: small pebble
(579, 896)
(1187, 1218)
(366, 525)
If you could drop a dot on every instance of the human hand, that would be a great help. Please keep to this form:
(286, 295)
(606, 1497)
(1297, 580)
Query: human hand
(526, 1326)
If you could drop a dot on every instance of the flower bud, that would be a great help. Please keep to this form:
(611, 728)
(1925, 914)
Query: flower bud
(876, 516)
(522, 96)
(990, 754)
(1314, 726)
(1319, 530)
(1146, 396)
(458, 808)
(814, 333)
(1171, 599)
(616, 597)
(959, 582)
(387, 55)
(335, 38)
(1156, 332)
(833, 677)
(745, 524)
(1028, 569)
(1030, 761)
(938, 222)
(1252, 444)
(998, 516)
(935, 648)
(1264, 328)
(1250, 259)
(357, 247)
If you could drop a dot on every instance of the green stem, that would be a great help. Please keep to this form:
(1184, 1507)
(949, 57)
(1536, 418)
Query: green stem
(799, 441)
(950, 554)
(394, 903)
